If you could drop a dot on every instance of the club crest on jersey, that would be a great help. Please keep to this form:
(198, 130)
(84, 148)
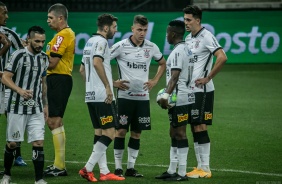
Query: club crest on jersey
(59, 41)
(146, 53)
(197, 44)
(123, 119)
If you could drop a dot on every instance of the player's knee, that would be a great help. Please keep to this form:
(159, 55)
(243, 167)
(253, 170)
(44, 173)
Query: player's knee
(37, 143)
(12, 145)
(121, 133)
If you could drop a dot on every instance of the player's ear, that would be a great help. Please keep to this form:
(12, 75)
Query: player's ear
(106, 29)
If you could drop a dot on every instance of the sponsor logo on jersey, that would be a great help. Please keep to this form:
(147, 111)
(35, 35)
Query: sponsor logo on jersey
(146, 53)
(59, 41)
(35, 68)
(29, 103)
(106, 120)
(136, 94)
(141, 66)
(123, 119)
(90, 95)
(182, 117)
(208, 115)
(16, 135)
(26, 64)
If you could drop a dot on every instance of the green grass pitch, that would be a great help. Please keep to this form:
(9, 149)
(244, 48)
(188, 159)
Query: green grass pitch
(246, 138)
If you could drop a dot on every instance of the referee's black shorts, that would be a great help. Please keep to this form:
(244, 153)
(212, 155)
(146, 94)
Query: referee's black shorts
(58, 91)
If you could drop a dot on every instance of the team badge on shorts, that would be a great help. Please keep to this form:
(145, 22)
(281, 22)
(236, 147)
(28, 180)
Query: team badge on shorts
(123, 119)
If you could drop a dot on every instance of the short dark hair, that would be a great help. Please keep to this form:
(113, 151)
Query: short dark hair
(194, 10)
(140, 19)
(105, 20)
(177, 26)
(59, 9)
(35, 29)
(2, 4)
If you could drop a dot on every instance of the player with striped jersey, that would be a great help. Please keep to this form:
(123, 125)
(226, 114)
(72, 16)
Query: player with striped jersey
(204, 46)
(133, 56)
(96, 71)
(9, 40)
(178, 76)
(25, 75)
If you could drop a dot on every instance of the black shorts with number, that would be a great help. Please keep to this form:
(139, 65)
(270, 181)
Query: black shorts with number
(133, 113)
(58, 91)
(102, 115)
(179, 115)
(202, 109)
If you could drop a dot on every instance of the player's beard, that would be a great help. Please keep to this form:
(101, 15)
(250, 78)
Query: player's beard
(110, 34)
(35, 50)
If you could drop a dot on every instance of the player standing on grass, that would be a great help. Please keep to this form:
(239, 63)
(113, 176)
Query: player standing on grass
(179, 69)
(133, 57)
(204, 46)
(59, 80)
(25, 75)
(96, 71)
(8, 40)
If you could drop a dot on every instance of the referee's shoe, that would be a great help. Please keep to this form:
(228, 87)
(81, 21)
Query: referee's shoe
(53, 171)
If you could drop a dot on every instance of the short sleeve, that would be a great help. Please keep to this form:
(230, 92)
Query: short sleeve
(115, 50)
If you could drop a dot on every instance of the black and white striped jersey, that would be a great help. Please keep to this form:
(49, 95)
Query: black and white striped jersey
(16, 44)
(28, 70)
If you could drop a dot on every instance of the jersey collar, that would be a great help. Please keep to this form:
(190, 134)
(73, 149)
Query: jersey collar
(97, 34)
(181, 42)
(198, 32)
(134, 43)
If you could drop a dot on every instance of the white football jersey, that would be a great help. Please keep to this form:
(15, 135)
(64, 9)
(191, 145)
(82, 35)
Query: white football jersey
(181, 59)
(203, 46)
(96, 46)
(133, 64)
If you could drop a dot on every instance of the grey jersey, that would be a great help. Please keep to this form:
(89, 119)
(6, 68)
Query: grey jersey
(181, 59)
(203, 46)
(16, 44)
(28, 70)
(133, 64)
(96, 46)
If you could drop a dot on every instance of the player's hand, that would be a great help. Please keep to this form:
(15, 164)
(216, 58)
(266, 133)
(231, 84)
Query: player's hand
(4, 40)
(26, 94)
(201, 82)
(121, 84)
(163, 103)
(46, 113)
(149, 85)
(109, 94)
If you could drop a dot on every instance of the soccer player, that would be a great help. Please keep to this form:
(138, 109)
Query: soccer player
(96, 71)
(204, 46)
(133, 56)
(179, 69)
(27, 109)
(59, 80)
(8, 40)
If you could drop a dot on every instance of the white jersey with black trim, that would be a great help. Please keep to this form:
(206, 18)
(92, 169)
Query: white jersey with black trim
(203, 46)
(181, 59)
(28, 69)
(96, 46)
(133, 64)
(16, 44)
